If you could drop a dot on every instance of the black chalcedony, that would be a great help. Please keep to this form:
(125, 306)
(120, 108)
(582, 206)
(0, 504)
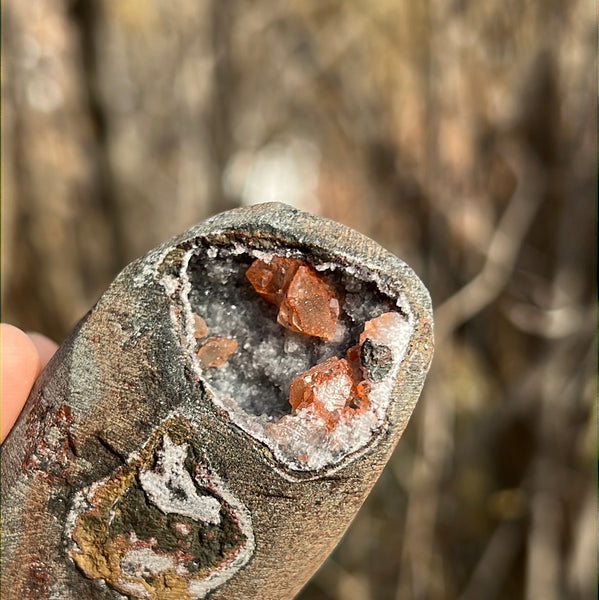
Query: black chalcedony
(377, 360)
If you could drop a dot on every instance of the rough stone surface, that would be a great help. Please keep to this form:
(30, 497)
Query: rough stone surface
(137, 472)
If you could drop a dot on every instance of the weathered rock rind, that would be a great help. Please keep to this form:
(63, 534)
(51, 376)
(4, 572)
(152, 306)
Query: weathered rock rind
(125, 371)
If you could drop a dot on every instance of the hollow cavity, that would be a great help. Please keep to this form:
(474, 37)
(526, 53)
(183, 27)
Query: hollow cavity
(251, 347)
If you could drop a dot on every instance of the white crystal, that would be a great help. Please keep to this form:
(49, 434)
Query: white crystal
(170, 486)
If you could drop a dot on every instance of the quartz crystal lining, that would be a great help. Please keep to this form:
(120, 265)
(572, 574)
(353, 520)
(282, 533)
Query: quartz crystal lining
(264, 382)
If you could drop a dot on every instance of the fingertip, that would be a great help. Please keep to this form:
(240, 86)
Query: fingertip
(45, 347)
(19, 367)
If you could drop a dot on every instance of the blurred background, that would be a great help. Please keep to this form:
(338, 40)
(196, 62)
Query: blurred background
(459, 134)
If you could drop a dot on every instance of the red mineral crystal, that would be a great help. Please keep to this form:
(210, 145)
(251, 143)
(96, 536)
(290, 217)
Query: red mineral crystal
(328, 388)
(353, 357)
(272, 279)
(215, 351)
(360, 400)
(306, 303)
(338, 388)
(200, 327)
(309, 306)
(329, 383)
(378, 328)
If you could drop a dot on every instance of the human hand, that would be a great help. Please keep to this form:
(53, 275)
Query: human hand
(22, 357)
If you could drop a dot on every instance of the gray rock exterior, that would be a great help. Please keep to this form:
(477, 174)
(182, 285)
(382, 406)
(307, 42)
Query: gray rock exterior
(124, 478)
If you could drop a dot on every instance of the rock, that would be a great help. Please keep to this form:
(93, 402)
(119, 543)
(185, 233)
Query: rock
(376, 360)
(138, 468)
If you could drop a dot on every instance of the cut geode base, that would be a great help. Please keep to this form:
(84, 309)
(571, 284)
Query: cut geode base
(183, 396)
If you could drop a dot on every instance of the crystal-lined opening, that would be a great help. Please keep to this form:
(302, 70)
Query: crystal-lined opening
(302, 356)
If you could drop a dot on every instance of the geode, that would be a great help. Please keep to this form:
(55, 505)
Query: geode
(213, 424)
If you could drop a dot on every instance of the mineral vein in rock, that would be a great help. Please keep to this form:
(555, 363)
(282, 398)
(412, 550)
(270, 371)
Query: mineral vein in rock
(148, 530)
(170, 487)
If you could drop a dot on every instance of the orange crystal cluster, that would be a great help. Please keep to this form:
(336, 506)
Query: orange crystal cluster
(213, 351)
(340, 386)
(336, 386)
(330, 388)
(306, 303)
